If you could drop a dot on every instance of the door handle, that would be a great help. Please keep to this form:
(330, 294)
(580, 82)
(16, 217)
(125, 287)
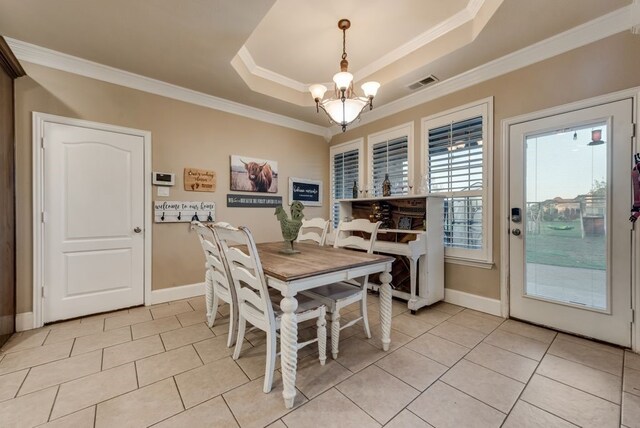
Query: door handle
(516, 232)
(137, 230)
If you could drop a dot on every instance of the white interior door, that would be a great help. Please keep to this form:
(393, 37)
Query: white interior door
(94, 216)
(570, 250)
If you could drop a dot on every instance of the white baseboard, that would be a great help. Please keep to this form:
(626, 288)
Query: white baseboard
(24, 321)
(473, 301)
(176, 293)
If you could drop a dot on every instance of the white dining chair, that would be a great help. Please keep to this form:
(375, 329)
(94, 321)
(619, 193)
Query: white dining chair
(314, 230)
(254, 302)
(218, 284)
(339, 295)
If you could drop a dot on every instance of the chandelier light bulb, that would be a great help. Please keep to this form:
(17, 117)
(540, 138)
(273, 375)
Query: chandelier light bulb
(370, 89)
(343, 80)
(317, 91)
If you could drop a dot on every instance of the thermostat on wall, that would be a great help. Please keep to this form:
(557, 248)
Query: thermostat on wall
(164, 178)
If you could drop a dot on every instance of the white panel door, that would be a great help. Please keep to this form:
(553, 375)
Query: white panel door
(570, 242)
(94, 219)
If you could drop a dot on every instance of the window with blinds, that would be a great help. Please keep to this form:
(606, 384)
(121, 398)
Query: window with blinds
(457, 149)
(455, 159)
(390, 152)
(344, 173)
(391, 157)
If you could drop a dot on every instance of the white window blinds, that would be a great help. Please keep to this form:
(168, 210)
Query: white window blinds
(344, 173)
(456, 170)
(391, 157)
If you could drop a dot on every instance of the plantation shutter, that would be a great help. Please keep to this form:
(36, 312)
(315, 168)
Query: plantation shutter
(345, 173)
(456, 170)
(391, 157)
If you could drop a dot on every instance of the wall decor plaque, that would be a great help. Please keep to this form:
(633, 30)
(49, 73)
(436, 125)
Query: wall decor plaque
(183, 211)
(199, 180)
(253, 201)
(305, 190)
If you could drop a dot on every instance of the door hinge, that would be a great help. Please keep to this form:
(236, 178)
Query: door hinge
(633, 316)
(42, 294)
(42, 142)
(43, 216)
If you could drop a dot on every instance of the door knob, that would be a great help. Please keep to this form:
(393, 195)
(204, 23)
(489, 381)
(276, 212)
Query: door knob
(137, 230)
(516, 232)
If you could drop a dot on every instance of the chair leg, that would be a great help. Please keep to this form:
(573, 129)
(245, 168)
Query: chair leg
(242, 324)
(271, 362)
(335, 333)
(209, 299)
(363, 313)
(322, 336)
(232, 325)
(214, 308)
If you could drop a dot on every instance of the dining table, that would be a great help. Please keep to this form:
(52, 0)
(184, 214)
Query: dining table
(314, 266)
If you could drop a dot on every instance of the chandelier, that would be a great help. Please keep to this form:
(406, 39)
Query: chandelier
(345, 106)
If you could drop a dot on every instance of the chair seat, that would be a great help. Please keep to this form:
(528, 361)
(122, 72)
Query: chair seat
(336, 291)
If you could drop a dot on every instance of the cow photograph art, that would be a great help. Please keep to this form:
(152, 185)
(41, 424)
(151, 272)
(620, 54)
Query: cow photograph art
(253, 175)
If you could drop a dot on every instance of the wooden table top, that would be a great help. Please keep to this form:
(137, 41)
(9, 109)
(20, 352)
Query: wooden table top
(312, 260)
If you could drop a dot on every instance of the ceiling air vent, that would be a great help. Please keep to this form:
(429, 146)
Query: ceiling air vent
(424, 82)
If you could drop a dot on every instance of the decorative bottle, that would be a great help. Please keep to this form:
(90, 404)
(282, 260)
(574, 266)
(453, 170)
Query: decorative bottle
(386, 186)
(355, 189)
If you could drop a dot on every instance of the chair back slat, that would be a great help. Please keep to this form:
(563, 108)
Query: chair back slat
(213, 257)
(313, 230)
(347, 235)
(239, 249)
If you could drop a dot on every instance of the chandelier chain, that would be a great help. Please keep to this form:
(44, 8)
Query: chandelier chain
(344, 43)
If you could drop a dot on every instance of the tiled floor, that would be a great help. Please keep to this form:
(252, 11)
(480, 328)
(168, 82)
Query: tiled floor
(448, 367)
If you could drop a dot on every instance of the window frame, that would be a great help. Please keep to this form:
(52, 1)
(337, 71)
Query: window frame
(406, 129)
(484, 257)
(357, 144)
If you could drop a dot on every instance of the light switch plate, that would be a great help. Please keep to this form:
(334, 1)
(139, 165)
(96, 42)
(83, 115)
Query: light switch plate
(163, 191)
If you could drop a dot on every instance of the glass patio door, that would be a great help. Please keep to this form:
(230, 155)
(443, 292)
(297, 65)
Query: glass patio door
(570, 237)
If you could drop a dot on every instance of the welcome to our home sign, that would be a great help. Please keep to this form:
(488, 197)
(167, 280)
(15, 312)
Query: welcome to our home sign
(183, 211)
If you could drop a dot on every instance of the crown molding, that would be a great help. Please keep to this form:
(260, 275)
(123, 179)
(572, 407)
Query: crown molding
(267, 74)
(71, 64)
(8, 61)
(465, 15)
(607, 25)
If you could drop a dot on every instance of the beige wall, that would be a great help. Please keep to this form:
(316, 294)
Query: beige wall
(606, 66)
(183, 135)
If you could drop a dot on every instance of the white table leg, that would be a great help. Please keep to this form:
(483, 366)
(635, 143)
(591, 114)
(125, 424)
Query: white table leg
(385, 309)
(289, 348)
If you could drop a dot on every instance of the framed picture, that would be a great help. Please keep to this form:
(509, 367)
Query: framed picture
(307, 191)
(254, 175)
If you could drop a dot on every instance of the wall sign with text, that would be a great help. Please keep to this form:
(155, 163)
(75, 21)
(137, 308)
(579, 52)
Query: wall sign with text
(183, 211)
(307, 191)
(253, 201)
(199, 180)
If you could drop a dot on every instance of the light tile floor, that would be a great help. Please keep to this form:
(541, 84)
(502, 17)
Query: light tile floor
(448, 367)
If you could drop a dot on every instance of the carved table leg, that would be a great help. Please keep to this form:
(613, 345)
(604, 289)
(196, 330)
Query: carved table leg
(289, 348)
(385, 309)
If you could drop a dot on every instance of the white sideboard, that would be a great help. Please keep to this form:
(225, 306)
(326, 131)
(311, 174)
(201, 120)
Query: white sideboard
(414, 233)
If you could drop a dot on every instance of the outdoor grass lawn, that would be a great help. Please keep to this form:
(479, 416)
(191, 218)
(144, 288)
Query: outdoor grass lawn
(566, 247)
